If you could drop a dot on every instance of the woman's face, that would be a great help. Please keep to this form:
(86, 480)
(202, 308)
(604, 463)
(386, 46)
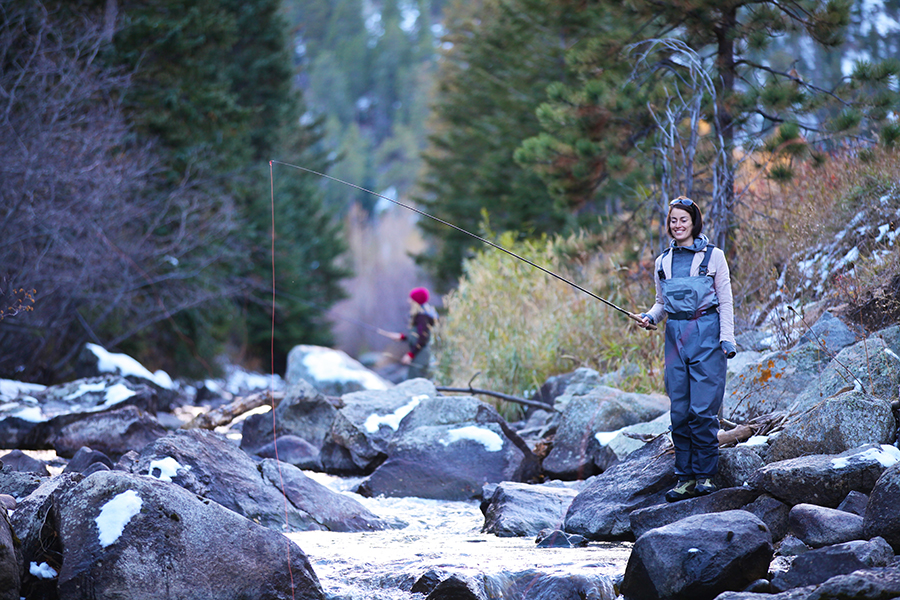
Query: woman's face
(681, 225)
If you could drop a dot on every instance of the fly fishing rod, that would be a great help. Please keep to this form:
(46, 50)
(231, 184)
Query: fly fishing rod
(630, 315)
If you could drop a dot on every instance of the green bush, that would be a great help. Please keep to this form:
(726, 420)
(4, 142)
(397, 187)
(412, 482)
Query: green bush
(511, 326)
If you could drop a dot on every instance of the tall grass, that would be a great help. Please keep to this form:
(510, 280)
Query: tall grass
(513, 326)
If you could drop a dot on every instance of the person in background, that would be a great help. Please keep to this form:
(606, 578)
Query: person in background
(422, 318)
(693, 290)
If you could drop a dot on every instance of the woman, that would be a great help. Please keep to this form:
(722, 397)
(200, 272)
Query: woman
(422, 318)
(693, 290)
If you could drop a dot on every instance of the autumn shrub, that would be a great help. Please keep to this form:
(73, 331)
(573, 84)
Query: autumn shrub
(508, 326)
(785, 228)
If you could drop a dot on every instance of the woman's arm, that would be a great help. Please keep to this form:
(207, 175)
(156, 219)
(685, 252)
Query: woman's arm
(722, 283)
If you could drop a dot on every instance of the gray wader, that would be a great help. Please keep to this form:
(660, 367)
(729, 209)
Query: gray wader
(695, 370)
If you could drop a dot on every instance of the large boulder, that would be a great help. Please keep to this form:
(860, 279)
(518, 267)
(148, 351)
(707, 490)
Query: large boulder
(644, 519)
(869, 365)
(331, 371)
(128, 536)
(834, 425)
(112, 432)
(882, 517)
(698, 557)
(448, 448)
(521, 509)
(304, 412)
(17, 460)
(601, 510)
(599, 410)
(9, 564)
(817, 566)
(818, 526)
(207, 464)
(825, 479)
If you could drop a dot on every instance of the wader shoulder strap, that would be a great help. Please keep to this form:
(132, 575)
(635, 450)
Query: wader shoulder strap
(704, 266)
(662, 257)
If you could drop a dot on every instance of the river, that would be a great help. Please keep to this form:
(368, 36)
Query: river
(442, 536)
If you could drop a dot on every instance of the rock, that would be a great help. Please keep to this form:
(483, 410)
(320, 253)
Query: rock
(870, 584)
(818, 526)
(114, 433)
(448, 448)
(829, 332)
(773, 512)
(9, 565)
(652, 517)
(146, 537)
(698, 557)
(332, 372)
(536, 585)
(457, 587)
(207, 464)
(855, 503)
(19, 461)
(7, 502)
(870, 364)
(519, 509)
(331, 511)
(608, 448)
(304, 412)
(557, 538)
(588, 421)
(736, 466)
(817, 566)
(791, 546)
(601, 510)
(837, 424)
(293, 450)
(882, 517)
(33, 522)
(771, 384)
(825, 479)
(18, 484)
(84, 458)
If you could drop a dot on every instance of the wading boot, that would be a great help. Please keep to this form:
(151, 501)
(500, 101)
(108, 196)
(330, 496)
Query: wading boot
(704, 486)
(686, 488)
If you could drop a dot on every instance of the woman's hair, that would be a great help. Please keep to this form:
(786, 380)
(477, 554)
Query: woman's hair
(689, 206)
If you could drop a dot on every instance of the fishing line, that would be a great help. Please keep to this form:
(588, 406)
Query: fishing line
(470, 234)
(271, 382)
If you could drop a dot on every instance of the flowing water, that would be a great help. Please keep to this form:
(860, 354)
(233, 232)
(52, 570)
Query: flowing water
(441, 536)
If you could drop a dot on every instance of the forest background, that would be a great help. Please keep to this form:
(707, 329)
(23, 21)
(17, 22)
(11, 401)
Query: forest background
(138, 197)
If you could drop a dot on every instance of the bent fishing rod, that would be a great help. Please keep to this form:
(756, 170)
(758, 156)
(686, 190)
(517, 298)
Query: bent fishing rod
(630, 315)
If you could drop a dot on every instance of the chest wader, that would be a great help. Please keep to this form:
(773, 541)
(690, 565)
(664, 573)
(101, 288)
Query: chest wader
(421, 362)
(695, 369)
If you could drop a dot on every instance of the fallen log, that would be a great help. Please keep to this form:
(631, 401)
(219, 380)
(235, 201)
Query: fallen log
(226, 413)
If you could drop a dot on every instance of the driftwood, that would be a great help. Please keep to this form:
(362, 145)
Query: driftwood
(226, 413)
(516, 399)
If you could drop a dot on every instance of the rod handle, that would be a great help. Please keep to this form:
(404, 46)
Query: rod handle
(639, 319)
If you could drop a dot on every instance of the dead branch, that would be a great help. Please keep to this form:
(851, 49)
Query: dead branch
(516, 399)
(227, 413)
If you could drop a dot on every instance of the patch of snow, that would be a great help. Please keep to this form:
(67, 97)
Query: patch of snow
(393, 420)
(168, 468)
(886, 455)
(882, 231)
(10, 388)
(118, 393)
(42, 571)
(122, 364)
(85, 388)
(32, 414)
(755, 440)
(328, 365)
(116, 514)
(851, 256)
(605, 437)
(487, 438)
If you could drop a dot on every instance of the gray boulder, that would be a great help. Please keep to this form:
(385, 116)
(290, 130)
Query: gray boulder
(698, 557)
(882, 518)
(333, 372)
(601, 510)
(846, 421)
(519, 509)
(737, 466)
(600, 410)
(829, 333)
(448, 448)
(855, 503)
(773, 512)
(658, 515)
(870, 365)
(112, 432)
(19, 461)
(207, 464)
(817, 566)
(9, 564)
(825, 479)
(128, 536)
(818, 526)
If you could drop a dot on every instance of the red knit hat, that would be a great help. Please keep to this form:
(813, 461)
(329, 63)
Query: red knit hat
(419, 294)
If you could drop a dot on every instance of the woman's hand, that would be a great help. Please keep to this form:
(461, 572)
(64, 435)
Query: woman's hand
(645, 322)
(393, 335)
(407, 359)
